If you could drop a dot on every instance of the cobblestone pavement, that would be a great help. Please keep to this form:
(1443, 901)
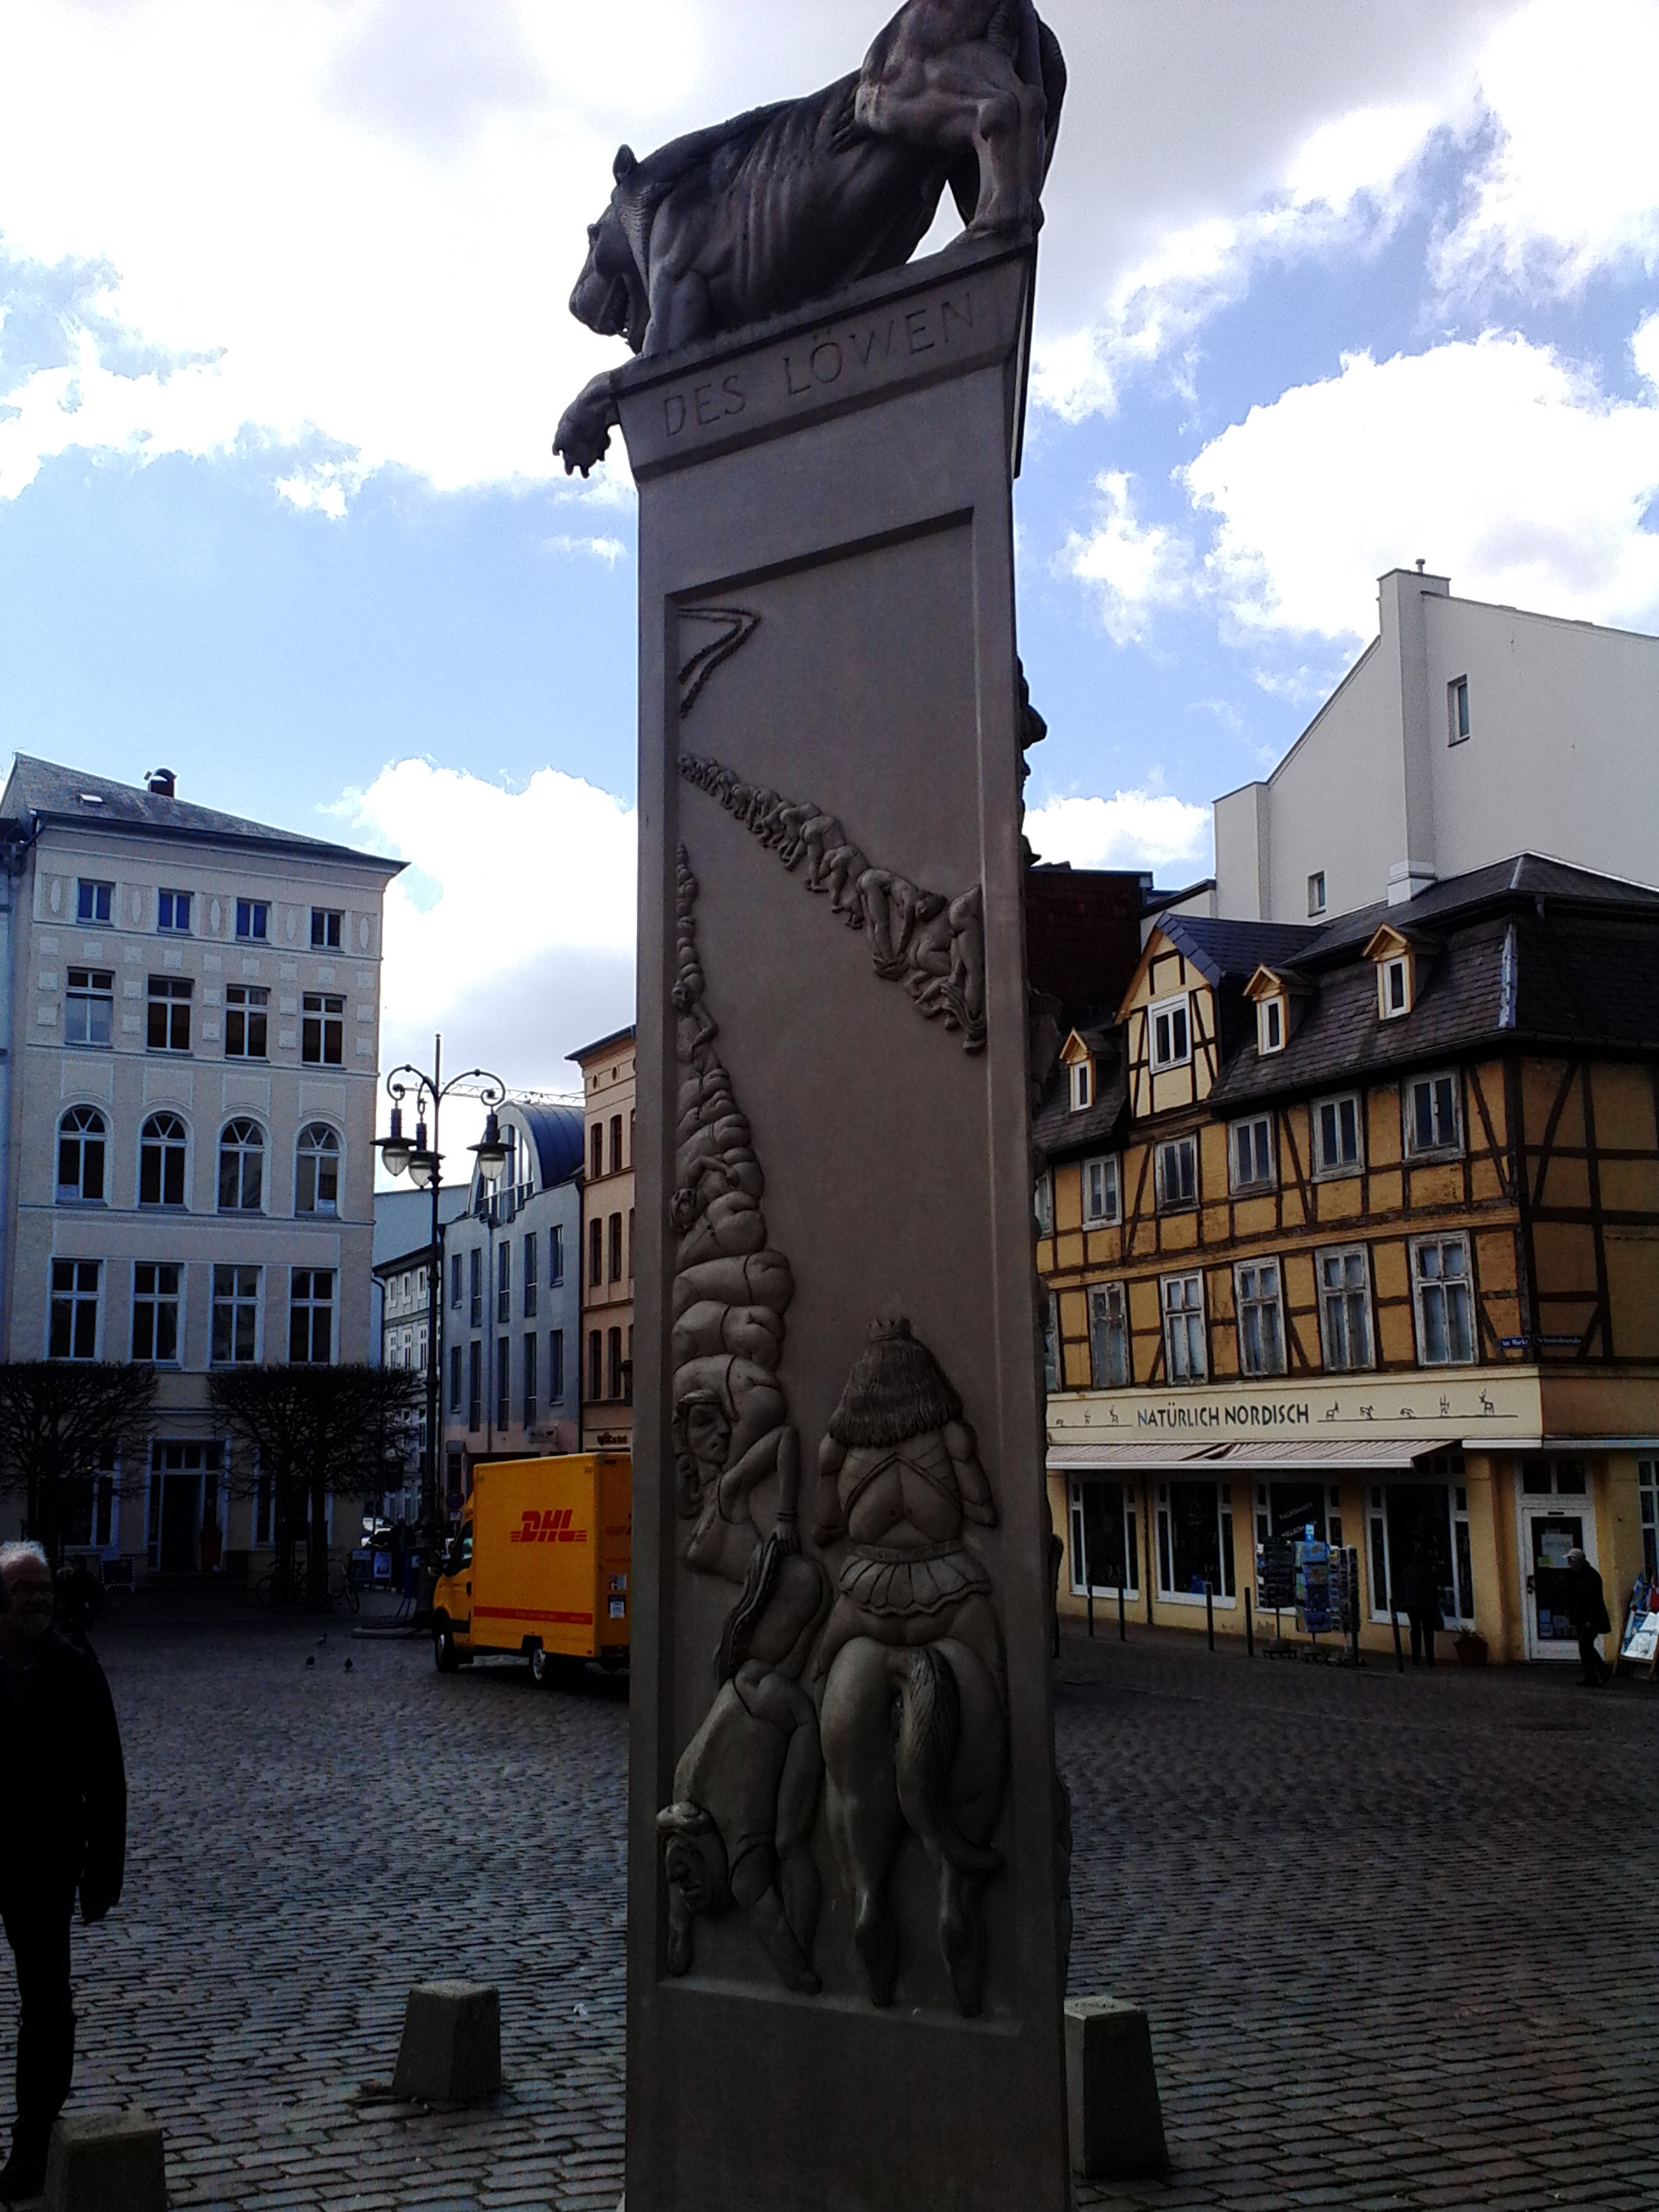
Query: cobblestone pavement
(1396, 1935)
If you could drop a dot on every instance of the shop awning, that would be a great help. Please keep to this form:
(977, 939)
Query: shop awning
(1294, 1452)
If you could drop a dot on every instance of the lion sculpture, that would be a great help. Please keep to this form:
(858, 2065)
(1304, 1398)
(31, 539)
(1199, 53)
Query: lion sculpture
(787, 202)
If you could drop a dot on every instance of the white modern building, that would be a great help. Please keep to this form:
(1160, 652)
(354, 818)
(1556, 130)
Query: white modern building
(512, 1313)
(189, 1040)
(1464, 732)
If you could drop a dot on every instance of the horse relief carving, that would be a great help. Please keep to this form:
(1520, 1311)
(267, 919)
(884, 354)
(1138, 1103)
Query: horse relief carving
(931, 942)
(792, 201)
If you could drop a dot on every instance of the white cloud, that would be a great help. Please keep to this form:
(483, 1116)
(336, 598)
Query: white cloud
(1573, 184)
(608, 550)
(1499, 462)
(1134, 568)
(516, 936)
(1130, 830)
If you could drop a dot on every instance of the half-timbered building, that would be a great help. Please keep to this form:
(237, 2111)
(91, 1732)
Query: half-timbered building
(1356, 1226)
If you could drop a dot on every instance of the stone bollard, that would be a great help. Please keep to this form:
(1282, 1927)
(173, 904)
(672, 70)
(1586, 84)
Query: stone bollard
(106, 2162)
(1115, 2122)
(450, 2053)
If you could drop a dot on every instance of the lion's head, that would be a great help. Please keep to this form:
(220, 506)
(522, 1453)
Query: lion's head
(610, 295)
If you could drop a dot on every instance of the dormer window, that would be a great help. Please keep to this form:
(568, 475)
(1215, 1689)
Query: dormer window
(1272, 990)
(1270, 1025)
(1402, 959)
(1393, 983)
(1083, 1084)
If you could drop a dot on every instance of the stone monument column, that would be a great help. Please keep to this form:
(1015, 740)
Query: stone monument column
(845, 1895)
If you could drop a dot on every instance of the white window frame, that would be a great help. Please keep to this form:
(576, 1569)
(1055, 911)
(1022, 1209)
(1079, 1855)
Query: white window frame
(86, 908)
(1457, 711)
(155, 1298)
(1179, 1008)
(1227, 1596)
(1237, 1182)
(1261, 1304)
(1183, 1314)
(91, 1127)
(1457, 1241)
(1180, 1203)
(258, 911)
(1128, 1503)
(235, 1301)
(242, 1148)
(1082, 1073)
(1109, 1308)
(308, 1147)
(168, 904)
(246, 1004)
(1442, 1147)
(1271, 1026)
(1397, 963)
(95, 989)
(1346, 1291)
(1102, 1177)
(310, 1305)
(76, 1296)
(1327, 1171)
(1316, 894)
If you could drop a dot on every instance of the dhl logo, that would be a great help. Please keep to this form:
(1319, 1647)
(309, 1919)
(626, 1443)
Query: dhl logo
(552, 1527)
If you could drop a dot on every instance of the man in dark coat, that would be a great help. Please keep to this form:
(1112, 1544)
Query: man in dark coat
(1586, 1608)
(1418, 1597)
(65, 1830)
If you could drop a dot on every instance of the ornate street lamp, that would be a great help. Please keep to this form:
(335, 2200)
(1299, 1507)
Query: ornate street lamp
(422, 1162)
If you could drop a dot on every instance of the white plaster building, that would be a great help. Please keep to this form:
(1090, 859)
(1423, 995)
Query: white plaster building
(189, 1040)
(1464, 732)
(512, 1296)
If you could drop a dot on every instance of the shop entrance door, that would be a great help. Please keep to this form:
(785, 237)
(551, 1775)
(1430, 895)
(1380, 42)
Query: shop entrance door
(1548, 1533)
(181, 1511)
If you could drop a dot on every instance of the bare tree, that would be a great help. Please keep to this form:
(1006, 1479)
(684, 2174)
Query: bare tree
(56, 1419)
(315, 1433)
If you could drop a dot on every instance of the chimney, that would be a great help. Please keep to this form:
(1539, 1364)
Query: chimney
(163, 783)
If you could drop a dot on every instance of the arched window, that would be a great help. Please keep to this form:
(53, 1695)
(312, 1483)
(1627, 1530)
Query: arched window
(317, 1178)
(81, 1136)
(161, 1161)
(241, 1168)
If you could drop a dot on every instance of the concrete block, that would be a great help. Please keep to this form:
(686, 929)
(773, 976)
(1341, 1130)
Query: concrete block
(450, 2052)
(106, 2162)
(1116, 2121)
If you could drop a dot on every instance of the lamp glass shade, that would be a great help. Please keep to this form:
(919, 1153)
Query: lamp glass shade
(490, 1151)
(423, 1166)
(394, 1152)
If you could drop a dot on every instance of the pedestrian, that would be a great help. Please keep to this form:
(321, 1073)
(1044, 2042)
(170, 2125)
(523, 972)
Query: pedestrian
(1586, 1608)
(80, 1602)
(65, 1829)
(1418, 1595)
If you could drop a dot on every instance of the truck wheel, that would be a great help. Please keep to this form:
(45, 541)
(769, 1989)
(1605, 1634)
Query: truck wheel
(445, 1657)
(541, 1672)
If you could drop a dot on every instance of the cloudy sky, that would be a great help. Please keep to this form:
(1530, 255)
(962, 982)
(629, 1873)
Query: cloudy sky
(1326, 286)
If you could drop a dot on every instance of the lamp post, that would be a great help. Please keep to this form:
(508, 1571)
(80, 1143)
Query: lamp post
(420, 1158)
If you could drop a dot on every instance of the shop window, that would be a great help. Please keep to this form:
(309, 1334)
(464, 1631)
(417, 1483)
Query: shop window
(1345, 1307)
(1109, 1336)
(1647, 1488)
(1430, 1505)
(1176, 1168)
(1250, 1152)
(1170, 1025)
(1183, 1327)
(1105, 1552)
(1336, 1136)
(1441, 1294)
(1260, 1317)
(1102, 1203)
(1194, 1540)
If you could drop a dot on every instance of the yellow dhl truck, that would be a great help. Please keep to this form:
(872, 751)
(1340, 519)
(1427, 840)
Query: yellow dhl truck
(539, 1567)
